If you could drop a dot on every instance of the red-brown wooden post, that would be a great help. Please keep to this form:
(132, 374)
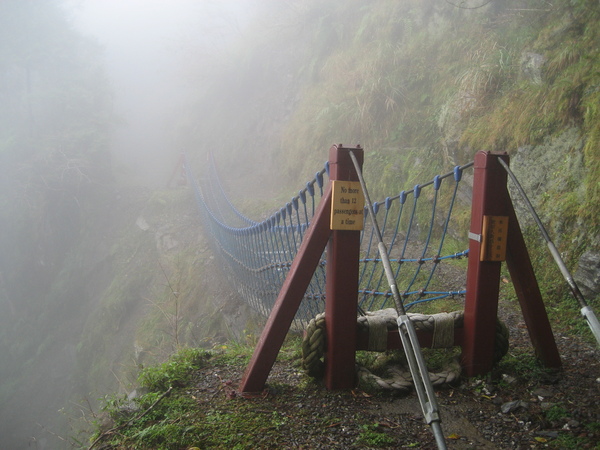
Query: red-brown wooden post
(289, 298)
(343, 249)
(341, 296)
(529, 295)
(490, 198)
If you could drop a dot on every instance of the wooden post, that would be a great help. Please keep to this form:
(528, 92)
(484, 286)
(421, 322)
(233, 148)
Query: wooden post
(490, 198)
(529, 295)
(343, 249)
(289, 298)
(341, 290)
(492, 203)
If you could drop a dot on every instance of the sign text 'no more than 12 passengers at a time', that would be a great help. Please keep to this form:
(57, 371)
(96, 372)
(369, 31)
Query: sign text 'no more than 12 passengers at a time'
(347, 205)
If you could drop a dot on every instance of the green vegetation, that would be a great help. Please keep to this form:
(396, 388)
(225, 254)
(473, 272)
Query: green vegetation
(524, 364)
(556, 413)
(422, 87)
(371, 436)
(175, 372)
(169, 415)
(570, 441)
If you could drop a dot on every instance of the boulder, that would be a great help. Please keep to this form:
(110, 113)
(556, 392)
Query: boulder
(531, 66)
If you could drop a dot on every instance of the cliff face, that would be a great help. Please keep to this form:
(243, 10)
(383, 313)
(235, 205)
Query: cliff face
(414, 82)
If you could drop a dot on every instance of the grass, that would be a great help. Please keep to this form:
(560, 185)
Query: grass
(374, 436)
(556, 413)
(567, 440)
(175, 372)
(177, 420)
(524, 364)
(169, 415)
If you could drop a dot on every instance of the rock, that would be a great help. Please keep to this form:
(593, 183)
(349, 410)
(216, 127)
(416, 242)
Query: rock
(142, 224)
(573, 423)
(509, 379)
(535, 168)
(451, 122)
(541, 392)
(165, 242)
(548, 434)
(531, 66)
(513, 406)
(545, 406)
(588, 274)
(137, 393)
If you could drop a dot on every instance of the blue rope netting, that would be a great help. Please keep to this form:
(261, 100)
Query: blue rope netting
(258, 255)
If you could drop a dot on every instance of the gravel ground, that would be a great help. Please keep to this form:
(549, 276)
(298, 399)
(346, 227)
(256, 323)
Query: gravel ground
(517, 406)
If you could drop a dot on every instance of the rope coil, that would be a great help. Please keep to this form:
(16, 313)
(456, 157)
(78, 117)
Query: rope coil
(378, 324)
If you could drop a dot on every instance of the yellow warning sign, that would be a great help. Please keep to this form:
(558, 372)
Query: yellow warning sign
(347, 205)
(493, 238)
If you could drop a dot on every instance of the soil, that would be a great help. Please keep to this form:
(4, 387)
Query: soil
(518, 405)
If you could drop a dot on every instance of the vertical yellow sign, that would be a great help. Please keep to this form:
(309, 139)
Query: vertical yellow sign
(347, 205)
(493, 238)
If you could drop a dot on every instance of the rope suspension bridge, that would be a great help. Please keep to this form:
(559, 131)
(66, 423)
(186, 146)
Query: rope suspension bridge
(258, 255)
(318, 260)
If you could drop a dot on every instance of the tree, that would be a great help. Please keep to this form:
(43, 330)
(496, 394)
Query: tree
(55, 119)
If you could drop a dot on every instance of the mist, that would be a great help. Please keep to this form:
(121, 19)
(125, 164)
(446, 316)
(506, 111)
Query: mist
(98, 98)
(93, 92)
(151, 49)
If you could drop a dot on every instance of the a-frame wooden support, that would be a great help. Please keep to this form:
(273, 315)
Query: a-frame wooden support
(341, 290)
(491, 199)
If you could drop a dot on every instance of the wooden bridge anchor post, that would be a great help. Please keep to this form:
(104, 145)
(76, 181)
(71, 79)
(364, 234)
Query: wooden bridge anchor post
(341, 290)
(495, 236)
(341, 287)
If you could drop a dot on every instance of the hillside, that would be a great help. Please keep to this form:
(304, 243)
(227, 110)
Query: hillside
(101, 279)
(414, 83)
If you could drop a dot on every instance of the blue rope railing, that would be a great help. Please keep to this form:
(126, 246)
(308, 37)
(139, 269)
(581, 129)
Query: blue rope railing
(258, 255)
(410, 248)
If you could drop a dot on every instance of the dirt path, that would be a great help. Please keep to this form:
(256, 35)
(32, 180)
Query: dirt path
(519, 405)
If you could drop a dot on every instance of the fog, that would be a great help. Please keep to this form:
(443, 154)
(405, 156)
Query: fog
(53, 170)
(269, 85)
(152, 48)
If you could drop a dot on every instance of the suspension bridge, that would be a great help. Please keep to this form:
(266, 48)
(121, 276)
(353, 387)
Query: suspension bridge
(317, 256)
(258, 255)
